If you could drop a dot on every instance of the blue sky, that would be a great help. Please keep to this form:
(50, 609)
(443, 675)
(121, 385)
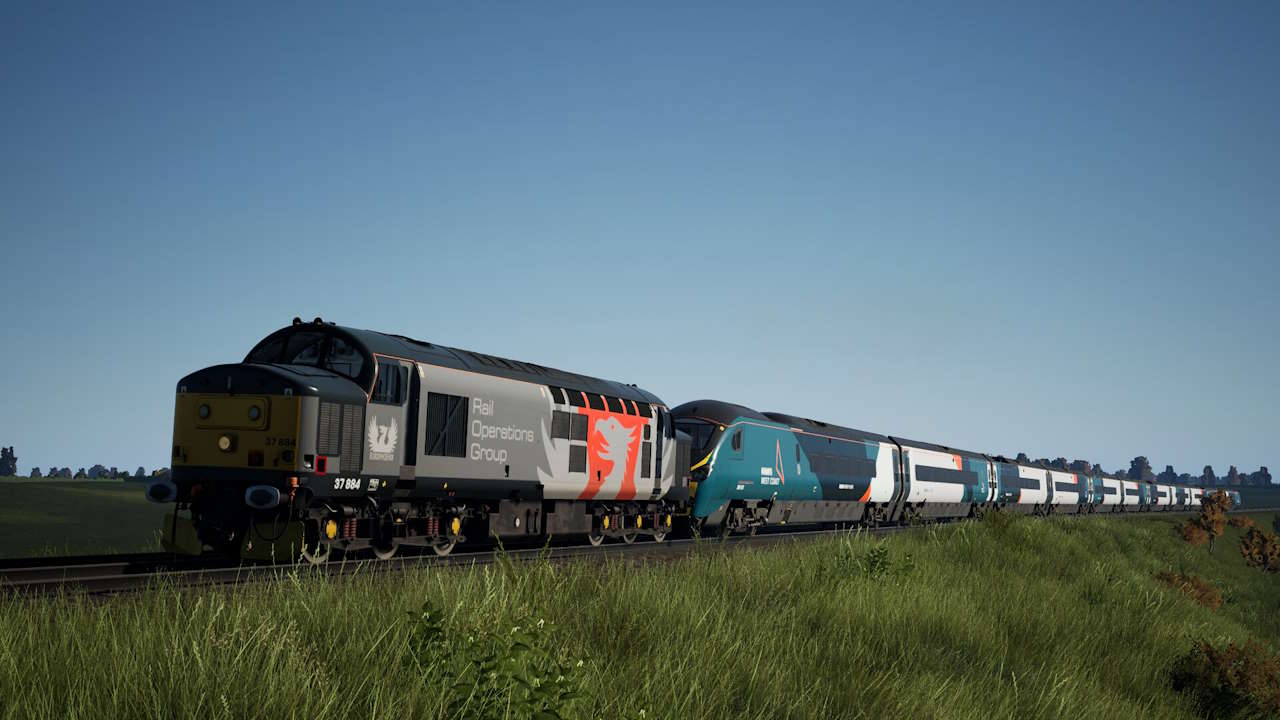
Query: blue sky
(1038, 229)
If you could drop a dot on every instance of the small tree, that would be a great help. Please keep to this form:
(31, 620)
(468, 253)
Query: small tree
(35, 472)
(141, 473)
(1233, 476)
(1022, 459)
(1213, 514)
(81, 474)
(1168, 475)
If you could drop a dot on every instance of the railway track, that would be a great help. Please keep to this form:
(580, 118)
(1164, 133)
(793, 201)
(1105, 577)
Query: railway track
(102, 575)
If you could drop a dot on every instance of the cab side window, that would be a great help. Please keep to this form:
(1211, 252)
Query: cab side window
(737, 439)
(392, 381)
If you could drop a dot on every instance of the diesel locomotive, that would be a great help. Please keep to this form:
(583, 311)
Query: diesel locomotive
(331, 437)
(328, 436)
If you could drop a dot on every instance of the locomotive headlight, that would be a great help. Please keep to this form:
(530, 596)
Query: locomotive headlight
(255, 412)
(204, 412)
(226, 443)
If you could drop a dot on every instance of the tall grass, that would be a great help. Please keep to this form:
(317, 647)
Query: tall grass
(1002, 619)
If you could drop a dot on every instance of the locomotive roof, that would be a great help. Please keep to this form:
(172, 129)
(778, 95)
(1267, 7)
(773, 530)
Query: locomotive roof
(408, 348)
(822, 428)
(716, 411)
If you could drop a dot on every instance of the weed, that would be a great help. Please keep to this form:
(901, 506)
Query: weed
(1261, 550)
(1192, 532)
(1243, 522)
(1234, 681)
(1196, 588)
(489, 672)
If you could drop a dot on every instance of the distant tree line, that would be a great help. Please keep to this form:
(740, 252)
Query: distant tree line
(9, 466)
(1140, 470)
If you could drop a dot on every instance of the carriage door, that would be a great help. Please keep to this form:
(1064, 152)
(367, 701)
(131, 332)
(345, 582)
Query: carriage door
(408, 469)
(664, 426)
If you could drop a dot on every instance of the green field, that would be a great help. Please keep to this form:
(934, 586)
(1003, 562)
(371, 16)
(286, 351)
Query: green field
(1023, 619)
(76, 517)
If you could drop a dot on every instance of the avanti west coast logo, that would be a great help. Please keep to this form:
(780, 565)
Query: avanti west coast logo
(382, 439)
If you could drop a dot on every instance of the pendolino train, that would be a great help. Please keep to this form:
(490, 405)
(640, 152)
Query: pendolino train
(332, 437)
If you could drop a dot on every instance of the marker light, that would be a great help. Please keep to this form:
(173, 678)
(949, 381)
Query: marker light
(204, 412)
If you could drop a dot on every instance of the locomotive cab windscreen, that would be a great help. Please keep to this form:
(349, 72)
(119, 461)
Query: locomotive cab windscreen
(316, 346)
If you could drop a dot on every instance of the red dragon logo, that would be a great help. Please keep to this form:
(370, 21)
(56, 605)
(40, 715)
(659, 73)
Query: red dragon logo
(613, 449)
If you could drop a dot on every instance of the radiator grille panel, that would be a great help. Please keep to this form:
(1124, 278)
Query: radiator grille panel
(352, 437)
(329, 440)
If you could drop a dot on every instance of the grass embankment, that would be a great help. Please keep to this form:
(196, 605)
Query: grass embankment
(76, 517)
(1025, 619)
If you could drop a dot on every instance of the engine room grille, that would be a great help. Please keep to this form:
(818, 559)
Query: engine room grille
(329, 440)
(352, 437)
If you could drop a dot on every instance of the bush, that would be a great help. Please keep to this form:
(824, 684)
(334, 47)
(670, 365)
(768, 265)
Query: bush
(1261, 550)
(1240, 521)
(1195, 587)
(1192, 532)
(492, 673)
(1230, 682)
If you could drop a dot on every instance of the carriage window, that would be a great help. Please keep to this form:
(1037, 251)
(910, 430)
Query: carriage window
(392, 379)
(595, 401)
(575, 398)
(556, 394)
(615, 405)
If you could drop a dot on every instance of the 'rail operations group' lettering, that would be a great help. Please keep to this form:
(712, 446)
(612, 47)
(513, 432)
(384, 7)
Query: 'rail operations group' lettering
(482, 431)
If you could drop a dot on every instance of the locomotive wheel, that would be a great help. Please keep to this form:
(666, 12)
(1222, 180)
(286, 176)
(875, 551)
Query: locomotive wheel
(386, 552)
(317, 554)
(444, 547)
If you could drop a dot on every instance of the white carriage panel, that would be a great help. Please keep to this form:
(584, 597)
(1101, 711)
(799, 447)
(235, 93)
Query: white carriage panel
(882, 483)
(1111, 491)
(1063, 497)
(1039, 494)
(1130, 492)
(936, 492)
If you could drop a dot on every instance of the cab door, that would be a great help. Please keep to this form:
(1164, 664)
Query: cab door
(390, 431)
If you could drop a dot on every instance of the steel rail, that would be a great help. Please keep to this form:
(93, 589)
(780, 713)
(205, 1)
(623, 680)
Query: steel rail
(111, 574)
